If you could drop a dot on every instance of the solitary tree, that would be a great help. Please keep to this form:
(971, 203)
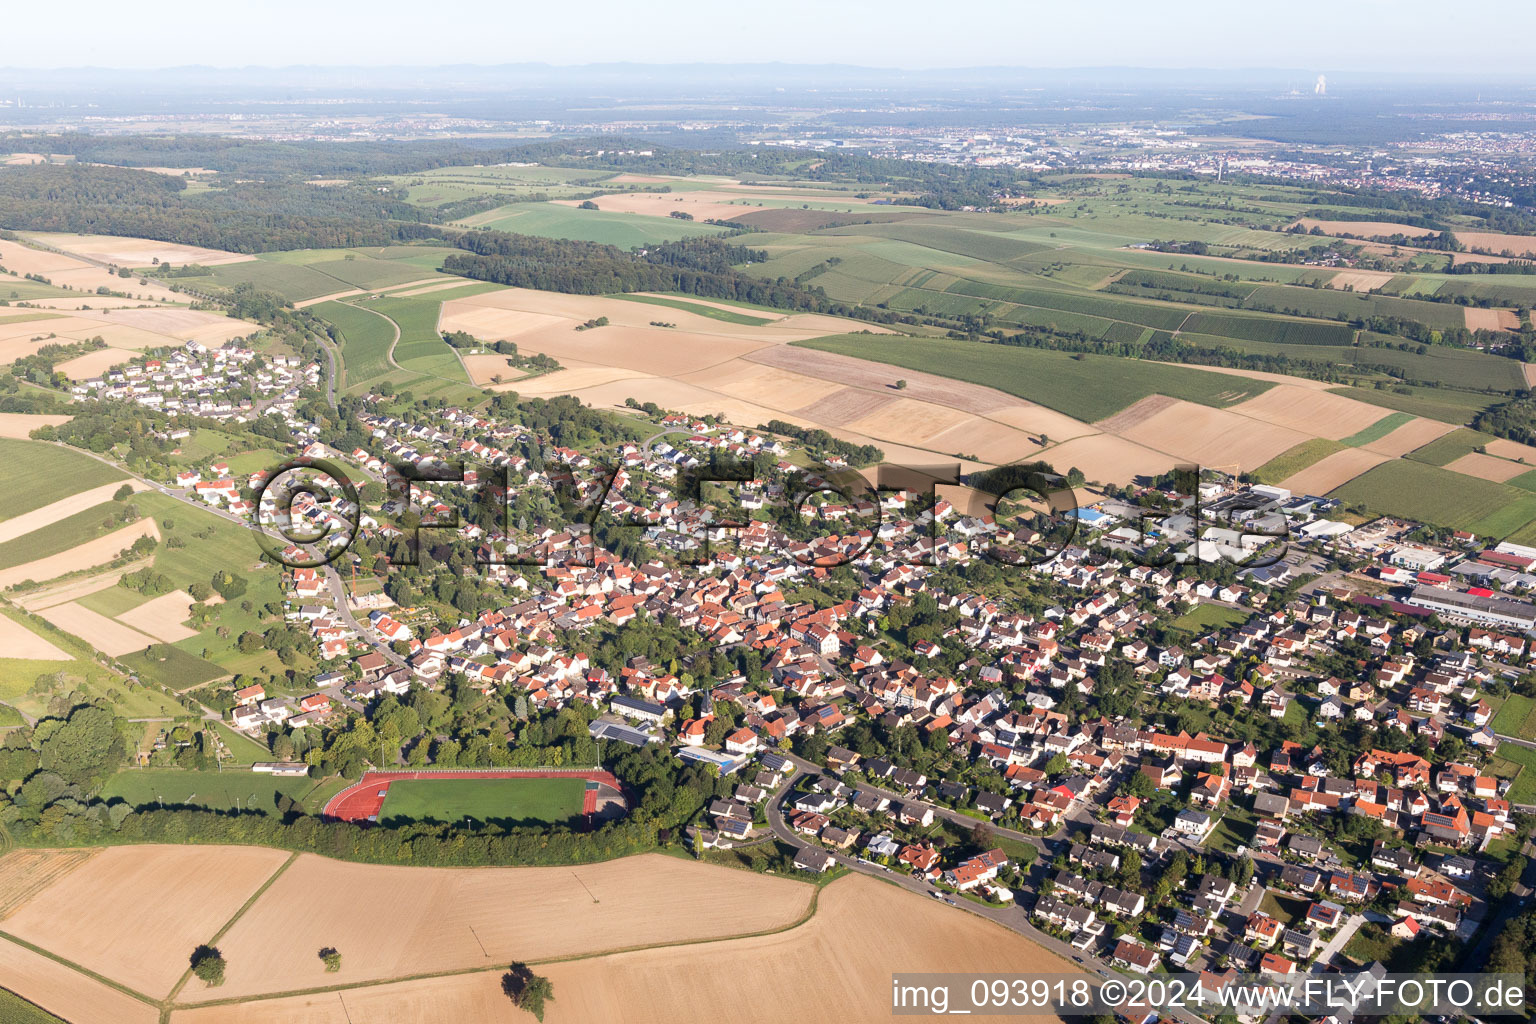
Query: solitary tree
(901, 385)
(528, 990)
(208, 964)
(332, 959)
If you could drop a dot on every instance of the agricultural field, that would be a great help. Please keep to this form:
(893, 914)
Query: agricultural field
(861, 927)
(625, 230)
(1294, 460)
(1088, 388)
(515, 800)
(1430, 494)
(38, 474)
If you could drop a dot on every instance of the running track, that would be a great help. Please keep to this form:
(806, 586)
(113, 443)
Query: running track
(363, 800)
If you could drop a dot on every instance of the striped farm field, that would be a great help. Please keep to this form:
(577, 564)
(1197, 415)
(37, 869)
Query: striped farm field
(1087, 388)
(1296, 459)
(1270, 329)
(1430, 494)
(37, 474)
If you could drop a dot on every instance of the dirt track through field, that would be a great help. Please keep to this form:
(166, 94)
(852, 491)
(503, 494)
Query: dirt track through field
(67, 993)
(437, 919)
(135, 913)
(839, 966)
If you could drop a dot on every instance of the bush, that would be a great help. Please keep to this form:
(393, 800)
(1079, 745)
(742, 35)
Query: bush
(332, 959)
(208, 964)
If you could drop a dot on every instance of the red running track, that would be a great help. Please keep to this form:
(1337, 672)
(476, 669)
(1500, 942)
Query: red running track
(363, 800)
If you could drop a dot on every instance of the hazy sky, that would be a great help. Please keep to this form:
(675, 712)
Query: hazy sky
(1472, 37)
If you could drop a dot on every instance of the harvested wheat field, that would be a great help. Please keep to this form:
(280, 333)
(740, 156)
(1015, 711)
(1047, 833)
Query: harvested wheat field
(1313, 413)
(1504, 448)
(62, 509)
(1359, 280)
(94, 364)
(69, 272)
(134, 913)
(83, 556)
(769, 385)
(106, 635)
(1498, 244)
(162, 617)
(136, 252)
(863, 930)
(209, 329)
(434, 915)
(1491, 319)
(562, 382)
(1362, 228)
(1213, 437)
(67, 993)
(25, 873)
(19, 425)
(1416, 433)
(1487, 467)
(17, 641)
(1106, 458)
(1135, 414)
(1333, 471)
(992, 442)
(28, 330)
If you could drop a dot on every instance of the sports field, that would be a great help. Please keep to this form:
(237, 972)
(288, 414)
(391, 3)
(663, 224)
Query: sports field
(449, 800)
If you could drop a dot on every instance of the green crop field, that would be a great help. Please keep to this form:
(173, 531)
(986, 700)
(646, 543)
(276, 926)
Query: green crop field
(219, 790)
(1442, 364)
(1087, 388)
(1279, 332)
(171, 666)
(625, 230)
(1294, 460)
(1429, 494)
(1378, 430)
(16, 1010)
(38, 474)
(550, 801)
(420, 348)
(1450, 447)
(62, 535)
(1432, 403)
(364, 338)
(694, 307)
